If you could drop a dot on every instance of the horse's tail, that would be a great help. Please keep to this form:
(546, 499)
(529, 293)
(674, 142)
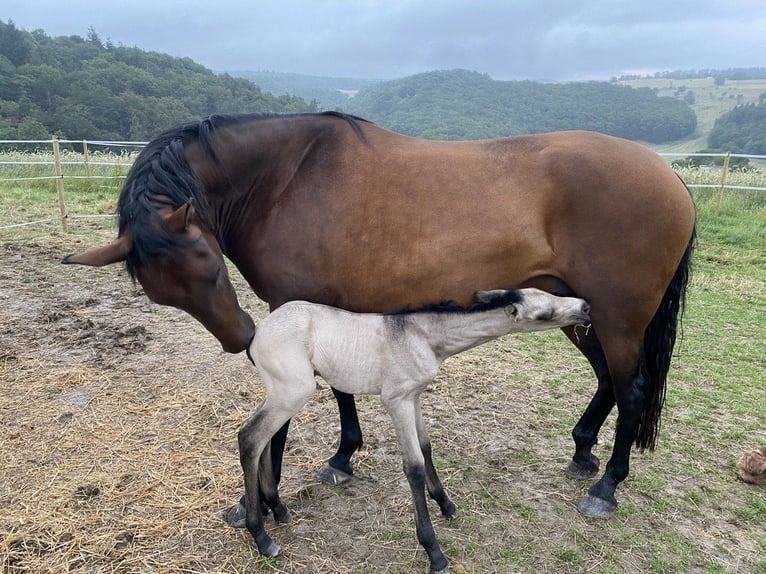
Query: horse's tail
(659, 340)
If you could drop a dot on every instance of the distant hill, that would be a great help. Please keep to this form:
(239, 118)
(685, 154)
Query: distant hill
(328, 93)
(84, 88)
(710, 97)
(459, 104)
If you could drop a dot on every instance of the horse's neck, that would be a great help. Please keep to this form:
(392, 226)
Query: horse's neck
(238, 195)
(452, 333)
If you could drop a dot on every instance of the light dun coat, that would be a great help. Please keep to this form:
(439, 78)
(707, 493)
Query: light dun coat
(395, 356)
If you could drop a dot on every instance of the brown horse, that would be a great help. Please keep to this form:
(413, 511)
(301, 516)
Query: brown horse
(336, 210)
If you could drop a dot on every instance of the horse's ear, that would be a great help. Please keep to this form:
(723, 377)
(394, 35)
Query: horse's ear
(116, 251)
(488, 296)
(179, 220)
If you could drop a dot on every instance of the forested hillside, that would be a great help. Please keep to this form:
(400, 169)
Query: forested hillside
(742, 130)
(83, 88)
(328, 93)
(459, 104)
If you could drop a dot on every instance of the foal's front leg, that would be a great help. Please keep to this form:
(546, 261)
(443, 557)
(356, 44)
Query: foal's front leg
(404, 413)
(435, 488)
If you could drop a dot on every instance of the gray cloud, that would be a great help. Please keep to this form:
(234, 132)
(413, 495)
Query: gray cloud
(520, 39)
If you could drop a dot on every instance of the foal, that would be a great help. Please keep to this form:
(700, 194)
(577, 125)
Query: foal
(395, 356)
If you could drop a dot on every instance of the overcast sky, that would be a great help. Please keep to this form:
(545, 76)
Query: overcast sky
(512, 39)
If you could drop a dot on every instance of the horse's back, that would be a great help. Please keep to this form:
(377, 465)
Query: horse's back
(380, 221)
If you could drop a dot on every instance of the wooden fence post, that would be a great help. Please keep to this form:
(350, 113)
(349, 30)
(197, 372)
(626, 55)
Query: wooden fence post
(723, 179)
(85, 155)
(59, 181)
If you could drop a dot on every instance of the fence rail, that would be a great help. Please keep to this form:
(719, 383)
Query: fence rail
(59, 176)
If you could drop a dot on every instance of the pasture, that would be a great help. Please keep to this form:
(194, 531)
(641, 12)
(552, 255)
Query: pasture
(710, 103)
(118, 424)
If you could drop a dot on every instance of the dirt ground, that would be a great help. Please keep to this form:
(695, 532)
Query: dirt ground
(118, 422)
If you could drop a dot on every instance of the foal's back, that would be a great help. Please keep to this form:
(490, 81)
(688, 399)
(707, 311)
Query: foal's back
(353, 352)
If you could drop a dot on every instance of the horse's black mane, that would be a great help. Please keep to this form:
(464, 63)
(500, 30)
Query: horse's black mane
(501, 300)
(162, 176)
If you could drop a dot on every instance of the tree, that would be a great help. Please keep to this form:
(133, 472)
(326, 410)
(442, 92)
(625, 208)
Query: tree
(86, 89)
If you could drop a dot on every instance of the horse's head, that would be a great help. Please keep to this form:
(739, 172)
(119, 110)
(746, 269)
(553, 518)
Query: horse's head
(192, 277)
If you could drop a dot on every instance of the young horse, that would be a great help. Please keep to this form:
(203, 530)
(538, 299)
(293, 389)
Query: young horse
(332, 209)
(395, 356)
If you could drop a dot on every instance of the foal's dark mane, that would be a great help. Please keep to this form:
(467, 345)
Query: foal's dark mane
(161, 176)
(506, 298)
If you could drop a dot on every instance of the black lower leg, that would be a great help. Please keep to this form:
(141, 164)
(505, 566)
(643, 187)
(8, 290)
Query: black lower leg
(435, 488)
(585, 433)
(350, 433)
(631, 393)
(416, 477)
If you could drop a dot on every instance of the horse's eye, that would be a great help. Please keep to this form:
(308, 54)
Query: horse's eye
(217, 275)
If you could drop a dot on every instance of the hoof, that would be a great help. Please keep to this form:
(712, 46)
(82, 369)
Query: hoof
(449, 512)
(332, 476)
(271, 550)
(579, 472)
(596, 507)
(444, 570)
(282, 515)
(237, 516)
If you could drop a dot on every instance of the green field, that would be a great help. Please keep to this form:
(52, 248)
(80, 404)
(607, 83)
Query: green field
(710, 103)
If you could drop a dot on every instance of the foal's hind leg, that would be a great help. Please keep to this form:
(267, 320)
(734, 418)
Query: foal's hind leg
(253, 438)
(584, 463)
(338, 469)
(435, 488)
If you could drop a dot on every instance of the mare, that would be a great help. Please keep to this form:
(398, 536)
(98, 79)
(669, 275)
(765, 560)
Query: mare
(332, 209)
(395, 356)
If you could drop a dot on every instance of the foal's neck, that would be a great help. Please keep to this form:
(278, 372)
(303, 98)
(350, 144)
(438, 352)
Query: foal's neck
(451, 333)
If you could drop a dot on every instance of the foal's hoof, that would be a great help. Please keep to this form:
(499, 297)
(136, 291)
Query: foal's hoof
(236, 516)
(580, 472)
(594, 507)
(444, 570)
(332, 476)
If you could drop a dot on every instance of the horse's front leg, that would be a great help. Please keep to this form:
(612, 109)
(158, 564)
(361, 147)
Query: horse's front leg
(338, 469)
(404, 414)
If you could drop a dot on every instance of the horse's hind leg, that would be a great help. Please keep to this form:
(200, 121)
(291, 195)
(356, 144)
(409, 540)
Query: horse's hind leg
(631, 393)
(338, 469)
(584, 463)
(434, 485)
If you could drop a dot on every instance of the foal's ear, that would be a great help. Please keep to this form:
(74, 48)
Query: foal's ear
(179, 220)
(488, 296)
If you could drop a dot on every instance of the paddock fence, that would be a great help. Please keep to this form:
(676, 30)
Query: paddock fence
(28, 162)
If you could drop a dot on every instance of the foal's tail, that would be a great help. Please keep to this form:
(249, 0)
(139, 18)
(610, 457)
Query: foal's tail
(659, 340)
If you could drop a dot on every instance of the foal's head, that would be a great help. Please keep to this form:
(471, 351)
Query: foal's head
(537, 310)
